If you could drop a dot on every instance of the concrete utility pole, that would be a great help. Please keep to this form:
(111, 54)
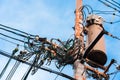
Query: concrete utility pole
(79, 69)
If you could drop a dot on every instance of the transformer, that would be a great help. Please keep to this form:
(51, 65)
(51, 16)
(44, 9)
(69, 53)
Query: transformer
(94, 27)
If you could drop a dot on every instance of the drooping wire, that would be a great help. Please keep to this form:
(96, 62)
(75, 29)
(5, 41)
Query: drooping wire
(88, 7)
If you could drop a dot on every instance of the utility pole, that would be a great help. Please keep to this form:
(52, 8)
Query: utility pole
(79, 68)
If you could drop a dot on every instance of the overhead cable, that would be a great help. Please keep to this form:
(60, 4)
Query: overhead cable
(42, 68)
(113, 4)
(14, 32)
(109, 5)
(13, 38)
(116, 2)
(15, 29)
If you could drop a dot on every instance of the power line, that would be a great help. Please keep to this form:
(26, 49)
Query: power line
(113, 4)
(16, 30)
(43, 68)
(13, 38)
(116, 2)
(10, 41)
(109, 5)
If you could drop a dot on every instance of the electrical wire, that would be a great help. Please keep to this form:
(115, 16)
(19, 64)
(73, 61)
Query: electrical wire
(15, 29)
(14, 32)
(112, 22)
(109, 34)
(116, 2)
(102, 11)
(109, 5)
(14, 68)
(87, 7)
(113, 4)
(60, 72)
(42, 68)
(13, 38)
(10, 41)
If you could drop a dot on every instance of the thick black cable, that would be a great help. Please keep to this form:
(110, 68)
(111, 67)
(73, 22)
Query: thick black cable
(60, 72)
(29, 69)
(88, 6)
(116, 2)
(12, 71)
(13, 38)
(10, 41)
(42, 68)
(16, 30)
(113, 4)
(109, 5)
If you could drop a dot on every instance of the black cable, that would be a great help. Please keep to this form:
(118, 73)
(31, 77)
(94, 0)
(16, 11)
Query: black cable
(12, 71)
(29, 69)
(112, 22)
(10, 41)
(88, 6)
(116, 2)
(108, 13)
(16, 30)
(42, 68)
(114, 76)
(13, 38)
(102, 11)
(109, 5)
(60, 72)
(113, 4)
(109, 34)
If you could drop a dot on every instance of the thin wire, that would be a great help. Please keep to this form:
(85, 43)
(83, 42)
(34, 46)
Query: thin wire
(112, 4)
(13, 32)
(13, 38)
(116, 2)
(109, 34)
(114, 76)
(10, 41)
(16, 29)
(88, 6)
(109, 5)
(42, 68)
(112, 22)
(60, 72)
(12, 71)
(108, 13)
(102, 11)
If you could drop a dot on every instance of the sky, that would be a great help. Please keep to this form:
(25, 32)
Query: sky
(51, 19)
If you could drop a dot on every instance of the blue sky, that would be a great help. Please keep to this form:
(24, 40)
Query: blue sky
(51, 19)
